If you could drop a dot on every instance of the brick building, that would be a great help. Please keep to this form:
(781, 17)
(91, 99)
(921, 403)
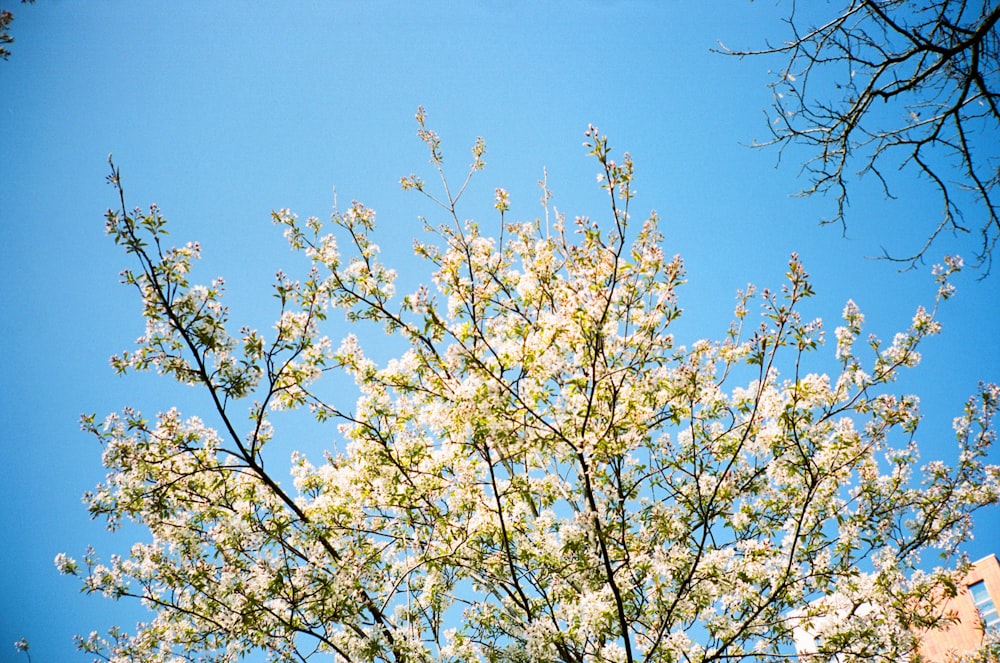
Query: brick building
(974, 610)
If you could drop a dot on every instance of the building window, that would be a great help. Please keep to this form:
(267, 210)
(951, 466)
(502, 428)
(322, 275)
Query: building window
(984, 604)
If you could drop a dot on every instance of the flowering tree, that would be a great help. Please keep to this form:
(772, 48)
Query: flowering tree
(6, 18)
(542, 474)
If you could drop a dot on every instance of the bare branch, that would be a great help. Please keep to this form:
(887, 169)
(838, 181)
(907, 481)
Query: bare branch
(933, 68)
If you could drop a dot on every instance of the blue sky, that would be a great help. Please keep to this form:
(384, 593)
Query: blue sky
(221, 112)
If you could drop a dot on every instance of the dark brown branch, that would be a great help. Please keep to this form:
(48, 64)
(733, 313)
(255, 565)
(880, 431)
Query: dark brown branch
(936, 71)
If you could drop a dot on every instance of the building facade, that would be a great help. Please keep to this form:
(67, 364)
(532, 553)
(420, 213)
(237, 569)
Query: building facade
(972, 612)
(974, 609)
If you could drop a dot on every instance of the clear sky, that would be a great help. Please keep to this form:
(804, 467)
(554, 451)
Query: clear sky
(220, 112)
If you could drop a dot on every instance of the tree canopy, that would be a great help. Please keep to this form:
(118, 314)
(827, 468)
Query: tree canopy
(872, 86)
(542, 473)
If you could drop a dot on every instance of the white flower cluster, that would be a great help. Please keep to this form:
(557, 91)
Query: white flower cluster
(539, 474)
